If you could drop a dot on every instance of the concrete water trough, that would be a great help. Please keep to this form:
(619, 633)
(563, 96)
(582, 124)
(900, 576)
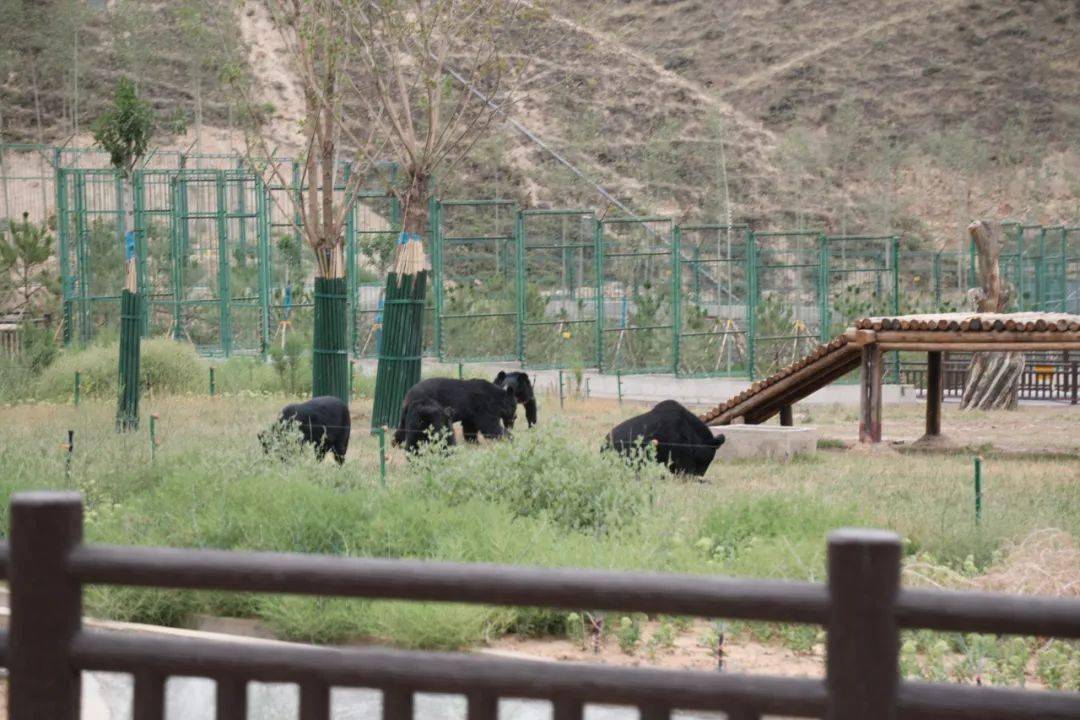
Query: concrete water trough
(771, 442)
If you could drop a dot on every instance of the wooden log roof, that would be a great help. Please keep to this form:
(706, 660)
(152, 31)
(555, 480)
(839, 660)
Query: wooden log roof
(966, 332)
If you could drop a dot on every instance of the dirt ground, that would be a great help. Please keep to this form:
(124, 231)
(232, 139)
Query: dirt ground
(689, 651)
(1044, 429)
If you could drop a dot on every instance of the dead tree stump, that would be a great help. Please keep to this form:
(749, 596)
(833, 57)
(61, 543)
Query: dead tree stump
(993, 379)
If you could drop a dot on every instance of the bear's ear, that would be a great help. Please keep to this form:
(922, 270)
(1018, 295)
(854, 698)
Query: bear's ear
(718, 440)
(500, 377)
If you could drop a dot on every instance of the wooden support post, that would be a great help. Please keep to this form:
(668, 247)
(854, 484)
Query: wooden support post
(863, 646)
(934, 388)
(870, 395)
(46, 606)
(787, 418)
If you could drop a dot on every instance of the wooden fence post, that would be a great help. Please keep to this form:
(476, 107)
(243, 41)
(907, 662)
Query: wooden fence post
(870, 394)
(934, 392)
(863, 647)
(46, 606)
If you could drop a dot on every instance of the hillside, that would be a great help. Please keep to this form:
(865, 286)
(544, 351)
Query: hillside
(850, 115)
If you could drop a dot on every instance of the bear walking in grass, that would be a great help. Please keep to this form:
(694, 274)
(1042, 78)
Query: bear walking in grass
(423, 420)
(481, 407)
(683, 442)
(323, 422)
(523, 392)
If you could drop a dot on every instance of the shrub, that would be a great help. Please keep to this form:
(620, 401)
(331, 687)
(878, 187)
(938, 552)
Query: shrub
(166, 367)
(544, 472)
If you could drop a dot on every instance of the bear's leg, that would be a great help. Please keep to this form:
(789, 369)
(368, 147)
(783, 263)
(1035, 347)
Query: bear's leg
(469, 430)
(491, 428)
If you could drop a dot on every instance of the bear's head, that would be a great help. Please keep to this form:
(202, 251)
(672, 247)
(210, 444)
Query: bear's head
(523, 391)
(427, 419)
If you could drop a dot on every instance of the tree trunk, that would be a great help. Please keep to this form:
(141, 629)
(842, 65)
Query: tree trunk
(414, 203)
(993, 379)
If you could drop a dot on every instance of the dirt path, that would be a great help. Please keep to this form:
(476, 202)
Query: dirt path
(772, 71)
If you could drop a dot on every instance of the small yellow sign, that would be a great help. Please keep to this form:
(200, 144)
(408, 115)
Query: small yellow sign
(1044, 371)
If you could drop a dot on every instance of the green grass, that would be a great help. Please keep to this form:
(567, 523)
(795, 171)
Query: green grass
(549, 498)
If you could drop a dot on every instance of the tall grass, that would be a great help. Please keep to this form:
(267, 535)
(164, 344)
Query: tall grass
(546, 498)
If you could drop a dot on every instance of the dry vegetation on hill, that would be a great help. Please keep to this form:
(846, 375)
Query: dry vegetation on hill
(852, 115)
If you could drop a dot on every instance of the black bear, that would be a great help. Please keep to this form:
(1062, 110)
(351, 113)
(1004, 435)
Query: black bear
(683, 442)
(424, 419)
(323, 422)
(480, 406)
(523, 392)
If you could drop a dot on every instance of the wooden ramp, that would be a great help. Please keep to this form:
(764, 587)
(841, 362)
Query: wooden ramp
(864, 342)
(773, 394)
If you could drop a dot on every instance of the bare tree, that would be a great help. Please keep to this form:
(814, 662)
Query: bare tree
(993, 378)
(432, 75)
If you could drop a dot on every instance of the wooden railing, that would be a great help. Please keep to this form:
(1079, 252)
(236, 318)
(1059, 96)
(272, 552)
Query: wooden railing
(862, 605)
(1043, 378)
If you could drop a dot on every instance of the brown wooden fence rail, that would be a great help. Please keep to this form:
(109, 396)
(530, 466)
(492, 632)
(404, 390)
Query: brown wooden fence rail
(862, 605)
(1044, 378)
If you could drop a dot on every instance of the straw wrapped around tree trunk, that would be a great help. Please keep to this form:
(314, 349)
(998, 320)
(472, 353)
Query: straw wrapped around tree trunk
(330, 368)
(402, 337)
(127, 409)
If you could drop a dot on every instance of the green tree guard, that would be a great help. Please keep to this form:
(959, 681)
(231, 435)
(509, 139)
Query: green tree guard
(330, 369)
(402, 340)
(124, 131)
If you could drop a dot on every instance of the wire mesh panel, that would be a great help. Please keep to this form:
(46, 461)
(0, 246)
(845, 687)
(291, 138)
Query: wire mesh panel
(1072, 269)
(476, 296)
(931, 282)
(638, 306)
(27, 183)
(558, 288)
(371, 239)
(790, 304)
(1054, 269)
(863, 278)
(91, 224)
(291, 271)
(714, 282)
(154, 191)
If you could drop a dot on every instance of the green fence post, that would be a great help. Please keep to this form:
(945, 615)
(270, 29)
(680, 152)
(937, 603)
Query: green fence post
(824, 329)
(262, 225)
(676, 298)
(213, 389)
(241, 207)
(978, 489)
(78, 383)
(894, 248)
(81, 259)
(618, 384)
(224, 290)
(138, 190)
(153, 436)
(69, 448)
(519, 282)
(1040, 274)
(382, 456)
(751, 302)
(353, 288)
(435, 221)
(561, 404)
(460, 371)
(63, 230)
(598, 269)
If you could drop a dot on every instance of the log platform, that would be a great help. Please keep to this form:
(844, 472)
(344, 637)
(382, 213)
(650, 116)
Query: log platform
(862, 346)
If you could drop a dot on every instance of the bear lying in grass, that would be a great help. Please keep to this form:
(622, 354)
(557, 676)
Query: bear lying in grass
(481, 407)
(683, 442)
(323, 422)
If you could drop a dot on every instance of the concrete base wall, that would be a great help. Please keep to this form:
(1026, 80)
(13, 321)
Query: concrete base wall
(770, 442)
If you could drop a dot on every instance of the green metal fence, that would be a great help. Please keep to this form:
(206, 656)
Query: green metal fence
(223, 264)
